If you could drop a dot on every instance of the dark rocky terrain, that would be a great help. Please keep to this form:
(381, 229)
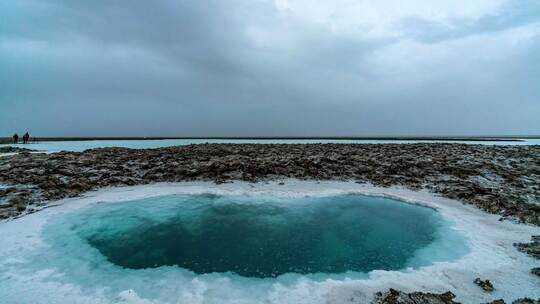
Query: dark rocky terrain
(393, 296)
(532, 248)
(498, 179)
(484, 284)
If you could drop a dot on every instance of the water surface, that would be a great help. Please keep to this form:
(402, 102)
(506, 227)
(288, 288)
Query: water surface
(264, 236)
(77, 146)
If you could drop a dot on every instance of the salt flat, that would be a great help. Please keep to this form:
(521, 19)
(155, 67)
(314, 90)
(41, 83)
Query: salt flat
(492, 255)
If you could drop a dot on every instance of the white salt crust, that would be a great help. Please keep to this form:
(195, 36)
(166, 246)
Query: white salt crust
(492, 256)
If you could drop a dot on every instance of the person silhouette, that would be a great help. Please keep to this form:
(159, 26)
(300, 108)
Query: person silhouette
(15, 138)
(26, 137)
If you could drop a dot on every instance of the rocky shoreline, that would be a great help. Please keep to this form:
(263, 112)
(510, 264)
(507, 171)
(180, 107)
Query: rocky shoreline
(498, 179)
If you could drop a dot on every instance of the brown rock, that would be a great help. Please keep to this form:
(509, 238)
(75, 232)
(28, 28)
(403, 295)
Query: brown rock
(393, 296)
(485, 285)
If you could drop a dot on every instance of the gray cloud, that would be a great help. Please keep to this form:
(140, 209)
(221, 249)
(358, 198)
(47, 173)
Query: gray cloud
(513, 14)
(246, 68)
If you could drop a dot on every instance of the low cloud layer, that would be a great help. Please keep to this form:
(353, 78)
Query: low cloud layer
(269, 68)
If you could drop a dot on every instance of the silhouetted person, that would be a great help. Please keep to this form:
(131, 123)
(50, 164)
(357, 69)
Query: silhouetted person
(15, 138)
(26, 137)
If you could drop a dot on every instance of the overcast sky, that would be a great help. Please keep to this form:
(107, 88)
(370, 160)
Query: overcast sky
(269, 68)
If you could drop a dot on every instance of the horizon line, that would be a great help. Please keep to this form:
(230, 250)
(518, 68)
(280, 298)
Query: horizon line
(443, 137)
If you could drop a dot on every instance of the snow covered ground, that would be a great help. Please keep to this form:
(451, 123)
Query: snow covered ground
(28, 274)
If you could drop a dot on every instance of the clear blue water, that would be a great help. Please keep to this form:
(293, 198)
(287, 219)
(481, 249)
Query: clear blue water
(261, 237)
(146, 144)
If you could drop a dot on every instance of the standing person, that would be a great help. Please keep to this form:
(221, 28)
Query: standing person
(26, 137)
(15, 138)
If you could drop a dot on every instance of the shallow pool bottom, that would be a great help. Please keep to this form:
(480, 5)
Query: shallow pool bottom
(258, 236)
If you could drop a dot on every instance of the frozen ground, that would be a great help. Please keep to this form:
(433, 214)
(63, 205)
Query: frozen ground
(28, 276)
(78, 146)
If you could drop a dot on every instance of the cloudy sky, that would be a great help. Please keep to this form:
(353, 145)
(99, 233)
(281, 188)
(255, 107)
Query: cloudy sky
(269, 67)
